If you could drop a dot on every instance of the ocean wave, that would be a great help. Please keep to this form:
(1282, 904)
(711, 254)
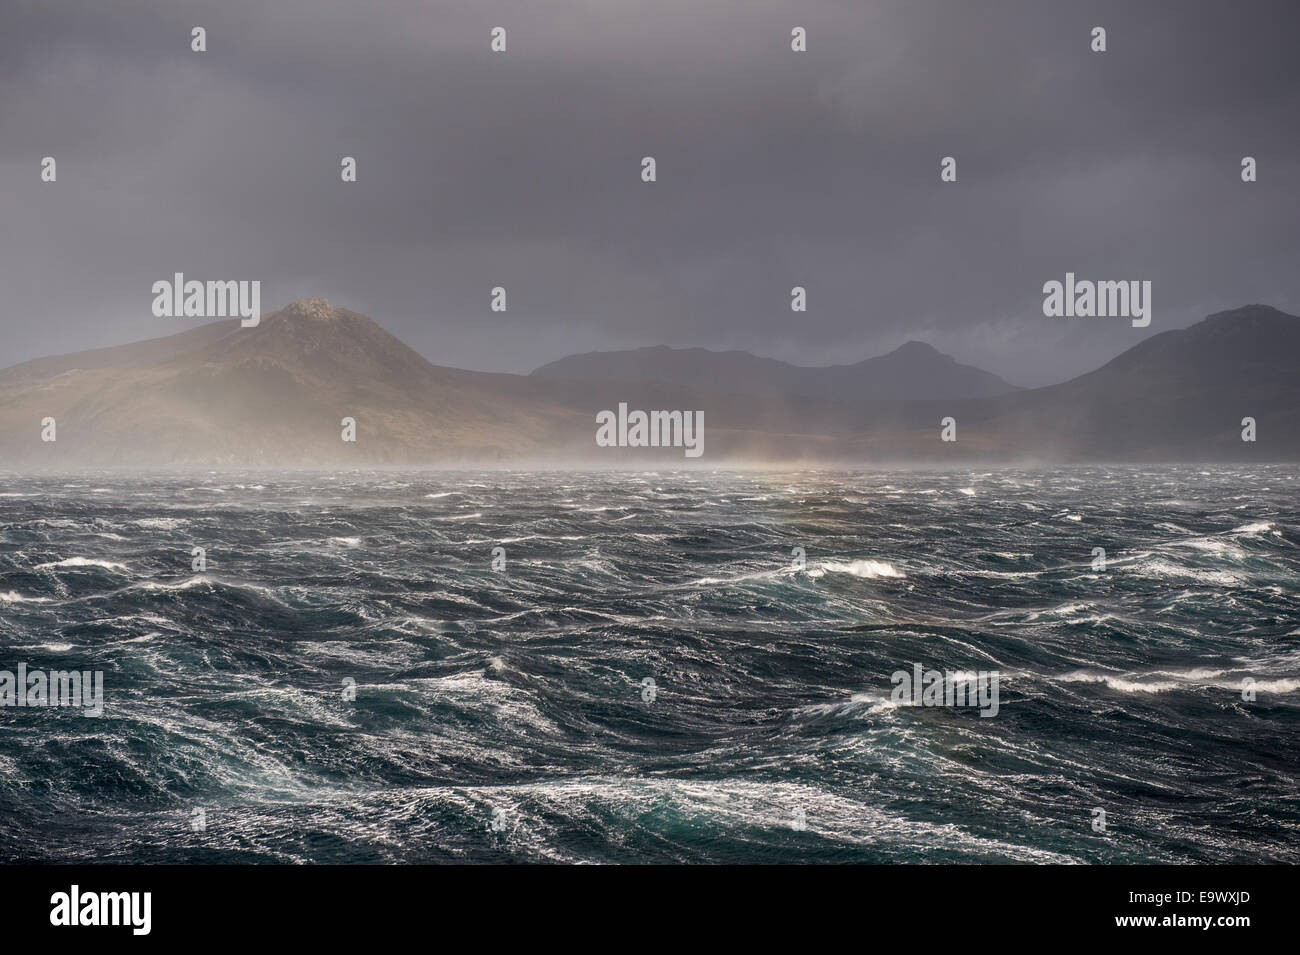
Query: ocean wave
(864, 568)
(525, 691)
(1162, 568)
(1163, 681)
(84, 562)
(13, 596)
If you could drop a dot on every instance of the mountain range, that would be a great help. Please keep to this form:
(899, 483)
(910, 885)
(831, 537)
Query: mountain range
(275, 395)
(916, 371)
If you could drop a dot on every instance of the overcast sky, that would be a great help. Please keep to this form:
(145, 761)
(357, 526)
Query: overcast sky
(775, 169)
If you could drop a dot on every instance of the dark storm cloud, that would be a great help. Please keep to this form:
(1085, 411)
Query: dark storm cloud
(775, 169)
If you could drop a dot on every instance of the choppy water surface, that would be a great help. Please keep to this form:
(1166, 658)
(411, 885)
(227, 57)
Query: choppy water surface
(499, 716)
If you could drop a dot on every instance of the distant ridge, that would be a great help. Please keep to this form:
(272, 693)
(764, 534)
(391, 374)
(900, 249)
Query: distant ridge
(913, 372)
(275, 395)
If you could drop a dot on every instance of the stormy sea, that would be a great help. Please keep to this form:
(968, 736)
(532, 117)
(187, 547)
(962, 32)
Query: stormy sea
(654, 667)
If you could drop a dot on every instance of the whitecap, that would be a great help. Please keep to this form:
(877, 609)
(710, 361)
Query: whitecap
(14, 597)
(1161, 681)
(856, 568)
(83, 562)
(1260, 527)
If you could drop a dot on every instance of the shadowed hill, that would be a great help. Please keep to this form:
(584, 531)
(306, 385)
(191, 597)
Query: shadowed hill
(915, 371)
(1178, 394)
